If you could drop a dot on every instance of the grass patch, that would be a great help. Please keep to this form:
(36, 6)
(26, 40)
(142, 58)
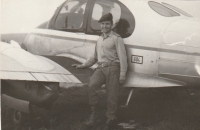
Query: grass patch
(151, 109)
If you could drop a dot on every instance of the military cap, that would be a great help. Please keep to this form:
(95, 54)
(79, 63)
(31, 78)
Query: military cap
(106, 17)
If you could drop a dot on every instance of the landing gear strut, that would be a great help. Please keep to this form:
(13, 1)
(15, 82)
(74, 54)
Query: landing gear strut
(128, 99)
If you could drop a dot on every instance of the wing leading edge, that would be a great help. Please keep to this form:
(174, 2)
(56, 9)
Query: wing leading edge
(18, 64)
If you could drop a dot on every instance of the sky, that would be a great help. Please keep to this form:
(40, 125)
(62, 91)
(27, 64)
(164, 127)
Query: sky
(21, 16)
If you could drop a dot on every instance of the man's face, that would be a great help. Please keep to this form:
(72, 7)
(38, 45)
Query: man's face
(106, 26)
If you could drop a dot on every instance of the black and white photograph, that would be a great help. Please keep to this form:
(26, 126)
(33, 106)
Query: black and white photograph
(100, 64)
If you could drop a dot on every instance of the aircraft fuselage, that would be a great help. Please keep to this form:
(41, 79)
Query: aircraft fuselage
(162, 48)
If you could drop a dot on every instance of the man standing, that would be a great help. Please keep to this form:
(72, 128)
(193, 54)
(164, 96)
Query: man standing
(110, 55)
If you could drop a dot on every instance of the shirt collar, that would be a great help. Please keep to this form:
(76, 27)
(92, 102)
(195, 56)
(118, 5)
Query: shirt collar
(108, 35)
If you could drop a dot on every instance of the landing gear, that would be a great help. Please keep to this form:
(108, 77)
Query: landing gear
(128, 99)
(16, 117)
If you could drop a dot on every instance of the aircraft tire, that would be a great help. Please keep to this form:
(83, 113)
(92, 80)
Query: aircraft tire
(16, 117)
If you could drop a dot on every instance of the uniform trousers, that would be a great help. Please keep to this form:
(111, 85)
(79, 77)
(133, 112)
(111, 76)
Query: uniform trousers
(110, 77)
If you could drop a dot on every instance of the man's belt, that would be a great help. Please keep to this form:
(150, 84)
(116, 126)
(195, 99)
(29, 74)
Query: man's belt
(107, 64)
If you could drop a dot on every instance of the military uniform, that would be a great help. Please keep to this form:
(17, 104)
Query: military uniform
(110, 55)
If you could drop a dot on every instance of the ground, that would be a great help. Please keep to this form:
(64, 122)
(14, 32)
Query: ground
(149, 109)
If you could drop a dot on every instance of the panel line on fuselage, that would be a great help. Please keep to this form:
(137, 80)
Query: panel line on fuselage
(59, 37)
(163, 50)
(131, 46)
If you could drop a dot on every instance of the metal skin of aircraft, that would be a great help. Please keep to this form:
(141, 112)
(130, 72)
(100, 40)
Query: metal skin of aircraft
(28, 80)
(162, 44)
(162, 41)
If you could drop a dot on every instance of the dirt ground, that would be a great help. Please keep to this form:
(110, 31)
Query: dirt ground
(149, 109)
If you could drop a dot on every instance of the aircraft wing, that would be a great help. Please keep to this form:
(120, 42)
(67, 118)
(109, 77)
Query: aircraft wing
(18, 64)
(145, 81)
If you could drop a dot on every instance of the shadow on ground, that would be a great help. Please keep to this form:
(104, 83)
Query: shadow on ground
(149, 109)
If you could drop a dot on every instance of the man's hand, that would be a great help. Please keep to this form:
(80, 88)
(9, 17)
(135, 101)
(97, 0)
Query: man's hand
(122, 79)
(78, 66)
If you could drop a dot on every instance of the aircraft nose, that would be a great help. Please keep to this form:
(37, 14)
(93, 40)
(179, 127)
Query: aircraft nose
(183, 37)
(184, 32)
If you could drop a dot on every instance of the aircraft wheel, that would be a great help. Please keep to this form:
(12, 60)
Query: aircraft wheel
(16, 117)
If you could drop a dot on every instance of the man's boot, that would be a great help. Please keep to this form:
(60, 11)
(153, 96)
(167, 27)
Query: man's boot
(92, 118)
(110, 124)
